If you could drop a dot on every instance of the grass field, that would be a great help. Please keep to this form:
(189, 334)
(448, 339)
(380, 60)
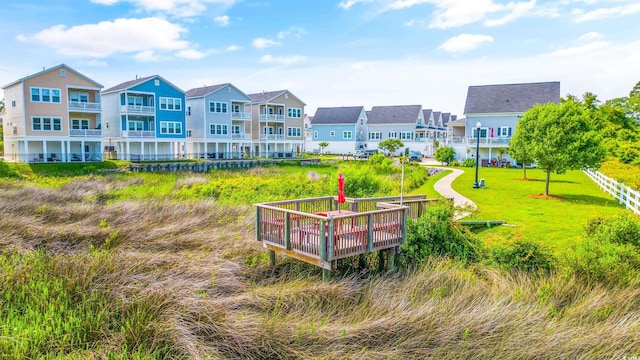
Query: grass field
(557, 221)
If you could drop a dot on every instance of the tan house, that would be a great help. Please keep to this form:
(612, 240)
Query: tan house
(53, 115)
(277, 124)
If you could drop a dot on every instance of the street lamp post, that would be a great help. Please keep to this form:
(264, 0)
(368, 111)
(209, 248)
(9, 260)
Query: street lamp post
(476, 185)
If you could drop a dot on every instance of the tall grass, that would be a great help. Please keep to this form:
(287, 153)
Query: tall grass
(86, 274)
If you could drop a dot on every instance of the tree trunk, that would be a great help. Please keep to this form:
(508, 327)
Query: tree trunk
(524, 167)
(546, 191)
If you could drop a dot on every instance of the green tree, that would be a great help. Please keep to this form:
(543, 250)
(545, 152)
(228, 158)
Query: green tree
(323, 145)
(519, 150)
(559, 137)
(391, 145)
(445, 154)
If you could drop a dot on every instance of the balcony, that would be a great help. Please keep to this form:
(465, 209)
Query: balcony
(138, 134)
(271, 136)
(235, 115)
(241, 136)
(85, 132)
(84, 106)
(138, 109)
(486, 142)
(271, 117)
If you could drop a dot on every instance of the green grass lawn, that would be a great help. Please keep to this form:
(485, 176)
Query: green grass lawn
(556, 222)
(427, 187)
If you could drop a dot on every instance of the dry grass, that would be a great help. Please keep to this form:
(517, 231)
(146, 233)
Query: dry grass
(210, 293)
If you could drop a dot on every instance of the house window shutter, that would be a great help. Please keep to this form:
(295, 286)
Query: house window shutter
(509, 132)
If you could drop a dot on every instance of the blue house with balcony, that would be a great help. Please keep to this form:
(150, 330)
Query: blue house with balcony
(145, 119)
(343, 128)
(492, 113)
(219, 122)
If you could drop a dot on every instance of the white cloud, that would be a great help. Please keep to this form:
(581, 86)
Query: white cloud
(579, 50)
(590, 36)
(454, 13)
(282, 60)
(141, 36)
(346, 4)
(222, 20)
(263, 43)
(191, 54)
(146, 56)
(294, 31)
(516, 10)
(233, 48)
(179, 8)
(607, 13)
(465, 42)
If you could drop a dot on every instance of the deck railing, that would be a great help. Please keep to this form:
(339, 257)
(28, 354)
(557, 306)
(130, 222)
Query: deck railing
(319, 230)
(626, 195)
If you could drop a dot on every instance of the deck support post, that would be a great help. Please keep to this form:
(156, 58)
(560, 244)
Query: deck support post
(326, 275)
(272, 257)
(380, 266)
(391, 258)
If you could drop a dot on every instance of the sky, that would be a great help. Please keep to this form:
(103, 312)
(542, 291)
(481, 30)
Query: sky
(333, 52)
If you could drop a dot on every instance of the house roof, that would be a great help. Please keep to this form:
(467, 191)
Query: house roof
(337, 115)
(445, 118)
(458, 122)
(54, 68)
(426, 113)
(400, 114)
(205, 90)
(267, 96)
(510, 98)
(131, 83)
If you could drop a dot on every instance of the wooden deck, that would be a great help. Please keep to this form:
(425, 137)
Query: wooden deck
(320, 231)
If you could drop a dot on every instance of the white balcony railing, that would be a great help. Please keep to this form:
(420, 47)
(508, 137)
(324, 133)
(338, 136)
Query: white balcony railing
(137, 109)
(271, 117)
(138, 134)
(85, 132)
(241, 136)
(240, 115)
(271, 136)
(84, 106)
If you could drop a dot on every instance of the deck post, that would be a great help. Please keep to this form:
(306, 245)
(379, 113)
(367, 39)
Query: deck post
(272, 257)
(391, 258)
(258, 237)
(326, 275)
(323, 241)
(380, 266)
(370, 233)
(287, 234)
(330, 238)
(404, 226)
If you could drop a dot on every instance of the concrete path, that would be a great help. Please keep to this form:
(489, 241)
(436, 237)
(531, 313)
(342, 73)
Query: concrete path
(443, 187)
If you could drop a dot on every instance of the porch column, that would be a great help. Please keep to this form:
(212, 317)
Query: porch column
(44, 149)
(65, 150)
(26, 150)
(128, 145)
(82, 151)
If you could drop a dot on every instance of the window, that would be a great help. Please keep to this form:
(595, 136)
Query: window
(188, 132)
(347, 135)
(188, 110)
(78, 124)
(79, 97)
(135, 125)
(294, 132)
(483, 132)
(156, 82)
(63, 72)
(268, 130)
(294, 112)
(504, 131)
(315, 134)
(406, 135)
(171, 104)
(235, 129)
(46, 124)
(13, 100)
(393, 134)
(217, 107)
(134, 101)
(375, 135)
(170, 127)
(218, 129)
(45, 95)
(332, 133)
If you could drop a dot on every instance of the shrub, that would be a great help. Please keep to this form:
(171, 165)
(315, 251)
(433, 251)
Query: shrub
(455, 163)
(469, 162)
(603, 261)
(445, 154)
(622, 228)
(525, 256)
(435, 234)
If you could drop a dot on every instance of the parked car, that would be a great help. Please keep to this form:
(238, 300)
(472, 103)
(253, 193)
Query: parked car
(364, 154)
(415, 156)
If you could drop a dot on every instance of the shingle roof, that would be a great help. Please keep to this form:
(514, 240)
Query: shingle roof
(510, 98)
(445, 118)
(426, 113)
(266, 95)
(401, 114)
(128, 84)
(205, 90)
(337, 115)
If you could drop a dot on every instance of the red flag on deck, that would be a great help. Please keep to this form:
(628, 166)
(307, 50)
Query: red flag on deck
(341, 197)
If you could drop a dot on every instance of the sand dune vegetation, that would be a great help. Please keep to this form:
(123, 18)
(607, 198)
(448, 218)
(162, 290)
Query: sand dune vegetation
(87, 274)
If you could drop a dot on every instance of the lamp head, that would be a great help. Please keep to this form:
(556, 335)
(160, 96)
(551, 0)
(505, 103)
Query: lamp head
(478, 124)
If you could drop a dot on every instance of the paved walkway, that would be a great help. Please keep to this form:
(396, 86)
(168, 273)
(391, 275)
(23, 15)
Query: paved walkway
(443, 187)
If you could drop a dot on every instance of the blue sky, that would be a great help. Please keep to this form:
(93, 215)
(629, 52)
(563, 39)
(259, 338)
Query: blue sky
(333, 52)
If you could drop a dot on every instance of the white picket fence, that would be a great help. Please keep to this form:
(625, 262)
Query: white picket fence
(626, 195)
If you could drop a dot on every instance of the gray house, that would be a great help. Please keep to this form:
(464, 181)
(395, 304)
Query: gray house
(492, 113)
(404, 122)
(343, 128)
